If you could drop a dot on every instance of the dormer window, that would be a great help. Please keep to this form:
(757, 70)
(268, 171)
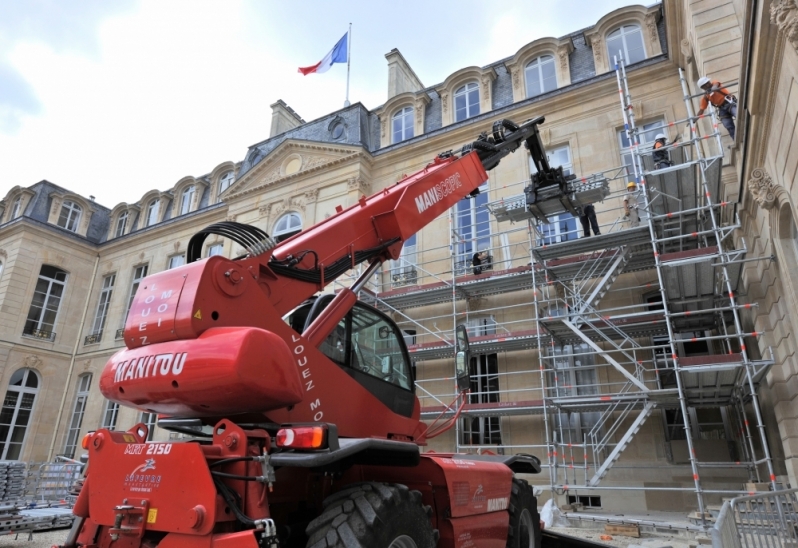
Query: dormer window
(540, 76)
(225, 181)
(16, 209)
(69, 216)
(466, 101)
(402, 125)
(628, 42)
(121, 224)
(186, 200)
(152, 212)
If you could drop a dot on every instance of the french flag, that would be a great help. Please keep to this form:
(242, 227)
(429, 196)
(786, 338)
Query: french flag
(337, 55)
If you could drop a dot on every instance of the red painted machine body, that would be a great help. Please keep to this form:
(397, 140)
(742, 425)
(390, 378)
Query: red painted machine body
(209, 342)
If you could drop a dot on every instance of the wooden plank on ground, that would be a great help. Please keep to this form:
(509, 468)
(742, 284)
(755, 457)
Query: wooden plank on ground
(624, 530)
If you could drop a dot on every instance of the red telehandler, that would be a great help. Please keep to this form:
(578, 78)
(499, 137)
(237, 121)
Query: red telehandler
(303, 418)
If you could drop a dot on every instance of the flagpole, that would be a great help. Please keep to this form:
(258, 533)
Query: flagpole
(348, 54)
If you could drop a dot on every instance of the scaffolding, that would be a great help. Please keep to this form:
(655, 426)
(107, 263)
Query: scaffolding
(604, 367)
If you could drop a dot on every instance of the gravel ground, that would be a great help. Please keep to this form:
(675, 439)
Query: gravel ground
(41, 539)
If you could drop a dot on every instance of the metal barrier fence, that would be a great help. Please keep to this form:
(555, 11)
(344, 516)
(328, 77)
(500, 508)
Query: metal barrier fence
(51, 481)
(758, 521)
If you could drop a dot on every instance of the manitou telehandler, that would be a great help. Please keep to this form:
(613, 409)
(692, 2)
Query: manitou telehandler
(303, 418)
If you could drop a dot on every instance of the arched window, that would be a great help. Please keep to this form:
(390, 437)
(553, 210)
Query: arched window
(540, 76)
(46, 302)
(288, 225)
(186, 199)
(225, 181)
(152, 212)
(16, 412)
(81, 396)
(402, 124)
(70, 215)
(121, 224)
(466, 101)
(16, 209)
(628, 40)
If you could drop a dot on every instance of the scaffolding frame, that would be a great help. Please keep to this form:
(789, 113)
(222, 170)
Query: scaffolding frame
(697, 264)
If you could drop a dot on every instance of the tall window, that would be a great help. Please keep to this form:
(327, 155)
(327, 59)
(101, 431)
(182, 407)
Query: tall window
(403, 270)
(139, 273)
(176, 260)
(102, 309)
(215, 249)
(562, 227)
(46, 301)
(152, 212)
(110, 414)
(288, 225)
(540, 76)
(121, 224)
(628, 42)
(186, 199)
(16, 209)
(466, 101)
(574, 375)
(73, 434)
(473, 228)
(16, 412)
(402, 123)
(646, 134)
(484, 371)
(225, 181)
(150, 419)
(69, 216)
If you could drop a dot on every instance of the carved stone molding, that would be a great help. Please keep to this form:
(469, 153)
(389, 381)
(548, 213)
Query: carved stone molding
(382, 126)
(651, 25)
(598, 47)
(33, 362)
(762, 188)
(687, 50)
(516, 72)
(311, 195)
(486, 85)
(356, 183)
(3, 254)
(784, 14)
(265, 210)
(562, 53)
(445, 103)
(177, 245)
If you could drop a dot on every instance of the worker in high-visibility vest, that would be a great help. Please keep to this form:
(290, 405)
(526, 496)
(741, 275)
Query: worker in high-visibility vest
(721, 99)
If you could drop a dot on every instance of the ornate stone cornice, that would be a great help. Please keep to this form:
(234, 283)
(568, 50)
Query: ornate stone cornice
(356, 183)
(784, 14)
(762, 188)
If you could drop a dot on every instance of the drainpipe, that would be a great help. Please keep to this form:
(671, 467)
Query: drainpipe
(72, 360)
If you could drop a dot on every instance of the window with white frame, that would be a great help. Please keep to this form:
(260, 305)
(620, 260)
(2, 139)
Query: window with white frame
(69, 217)
(561, 228)
(626, 42)
(484, 373)
(121, 224)
(287, 225)
(540, 75)
(110, 414)
(466, 101)
(646, 134)
(152, 211)
(402, 125)
(16, 209)
(176, 260)
(16, 412)
(139, 273)
(472, 223)
(574, 375)
(102, 309)
(403, 270)
(215, 249)
(78, 409)
(150, 420)
(186, 199)
(46, 301)
(225, 181)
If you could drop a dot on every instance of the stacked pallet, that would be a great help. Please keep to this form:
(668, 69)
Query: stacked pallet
(12, 480)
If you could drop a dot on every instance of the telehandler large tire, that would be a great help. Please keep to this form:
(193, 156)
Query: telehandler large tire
(524, 530)
(373, 515)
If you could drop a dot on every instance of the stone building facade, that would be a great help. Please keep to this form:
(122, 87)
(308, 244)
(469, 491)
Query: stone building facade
(69, 266)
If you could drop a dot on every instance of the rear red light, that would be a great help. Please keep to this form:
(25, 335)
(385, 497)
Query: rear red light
(302, 437)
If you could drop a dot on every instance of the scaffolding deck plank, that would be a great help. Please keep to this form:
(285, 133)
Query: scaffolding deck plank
(629, 236)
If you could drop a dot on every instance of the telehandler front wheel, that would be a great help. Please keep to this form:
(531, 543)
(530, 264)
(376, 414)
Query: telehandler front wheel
(524, 517)
(373, 515)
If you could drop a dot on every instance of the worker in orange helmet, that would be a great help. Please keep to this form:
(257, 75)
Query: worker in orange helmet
(721, 99)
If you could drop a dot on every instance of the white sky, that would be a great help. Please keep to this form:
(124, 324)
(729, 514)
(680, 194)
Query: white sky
(113, 99)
